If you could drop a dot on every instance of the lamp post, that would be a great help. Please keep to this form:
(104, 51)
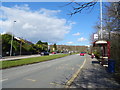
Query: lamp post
(20, 47)
(12, 40)
(101, 21)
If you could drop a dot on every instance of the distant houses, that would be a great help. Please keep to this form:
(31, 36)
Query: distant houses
(23, 41)
(67, 48)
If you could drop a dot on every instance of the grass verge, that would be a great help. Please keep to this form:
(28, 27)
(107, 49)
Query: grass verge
(20, 62)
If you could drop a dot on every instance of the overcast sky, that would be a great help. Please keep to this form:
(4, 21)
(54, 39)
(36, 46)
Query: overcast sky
(47, 21)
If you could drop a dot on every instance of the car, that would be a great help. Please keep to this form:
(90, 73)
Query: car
(82, 54)
(53, 52)
(44, 53)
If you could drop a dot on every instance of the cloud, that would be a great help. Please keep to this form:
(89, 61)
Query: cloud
(42, 24)
(87, 45)
(70, 42)
(76, 34)
(81, 39)
(47, 12)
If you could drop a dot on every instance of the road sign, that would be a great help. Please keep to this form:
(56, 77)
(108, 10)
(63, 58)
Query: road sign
(95, 36)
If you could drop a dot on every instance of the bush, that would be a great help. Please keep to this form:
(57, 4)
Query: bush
(97, 54)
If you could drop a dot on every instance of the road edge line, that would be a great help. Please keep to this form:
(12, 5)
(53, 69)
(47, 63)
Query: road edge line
(70, 81)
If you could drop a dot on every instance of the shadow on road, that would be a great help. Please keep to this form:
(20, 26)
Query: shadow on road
(95, 77)
(95, 62)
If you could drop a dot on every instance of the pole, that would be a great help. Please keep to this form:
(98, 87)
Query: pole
(108, 49)
(1, 29)
(75, 48)
(12, 40)
(20, 47)
(101, 19)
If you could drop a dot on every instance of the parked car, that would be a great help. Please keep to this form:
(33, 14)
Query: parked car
(82, 53)
(44, 53)
(53, 52)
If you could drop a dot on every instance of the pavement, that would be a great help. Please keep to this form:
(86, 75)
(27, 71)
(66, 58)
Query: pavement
(19, 57)
(93, 75)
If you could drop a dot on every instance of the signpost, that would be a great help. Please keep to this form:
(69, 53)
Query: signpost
(95, 36)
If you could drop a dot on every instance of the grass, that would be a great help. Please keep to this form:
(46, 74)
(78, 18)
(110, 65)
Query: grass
(20, 62)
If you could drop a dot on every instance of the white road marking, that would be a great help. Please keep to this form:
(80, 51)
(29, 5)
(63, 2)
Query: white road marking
(3, 80)
(31, 80)
(72, 68)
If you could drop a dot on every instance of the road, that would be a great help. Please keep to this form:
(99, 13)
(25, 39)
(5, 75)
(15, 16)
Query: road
(49, 74)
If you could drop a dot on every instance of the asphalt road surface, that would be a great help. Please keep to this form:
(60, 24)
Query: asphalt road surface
(49, 74)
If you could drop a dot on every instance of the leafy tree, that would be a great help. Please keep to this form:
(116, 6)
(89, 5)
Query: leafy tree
(39, 42)
(42, 46)
(6, 43)
(55, 46)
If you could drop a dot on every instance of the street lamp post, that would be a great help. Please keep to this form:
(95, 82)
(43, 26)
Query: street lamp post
(101, 21)
(12, 40)
(20, 47)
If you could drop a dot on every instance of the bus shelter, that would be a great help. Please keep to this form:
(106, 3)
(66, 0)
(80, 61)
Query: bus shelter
(104, 50)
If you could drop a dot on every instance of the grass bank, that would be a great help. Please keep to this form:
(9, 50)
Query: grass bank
(20, 62)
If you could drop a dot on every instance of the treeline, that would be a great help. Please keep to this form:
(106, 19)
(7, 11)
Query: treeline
(21, 46)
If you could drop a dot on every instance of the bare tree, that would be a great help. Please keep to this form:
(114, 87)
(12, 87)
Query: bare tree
(78, 7)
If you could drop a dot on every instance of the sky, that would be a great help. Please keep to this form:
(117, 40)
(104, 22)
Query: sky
(48, 22)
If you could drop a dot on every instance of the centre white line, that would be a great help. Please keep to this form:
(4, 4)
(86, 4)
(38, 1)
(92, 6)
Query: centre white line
(3, 80)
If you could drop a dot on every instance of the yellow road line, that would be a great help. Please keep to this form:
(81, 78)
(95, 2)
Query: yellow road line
(69, 82)
(57, 84)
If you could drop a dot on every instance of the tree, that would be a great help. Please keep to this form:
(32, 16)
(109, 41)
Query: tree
(78, 7)
(6, 44)
(112, 25)
(39, 42)
(55, 46)
(42, 46)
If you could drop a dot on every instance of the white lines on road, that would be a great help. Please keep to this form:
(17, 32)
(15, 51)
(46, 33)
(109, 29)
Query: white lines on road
(3, 80)
(73, 68)
(26, 71)
(31, 80)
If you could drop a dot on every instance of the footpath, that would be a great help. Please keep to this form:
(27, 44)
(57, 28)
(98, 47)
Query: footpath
(18, 57)
(93, 75)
